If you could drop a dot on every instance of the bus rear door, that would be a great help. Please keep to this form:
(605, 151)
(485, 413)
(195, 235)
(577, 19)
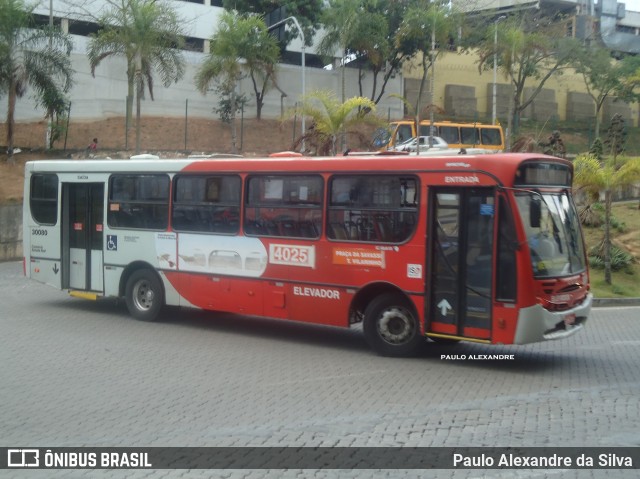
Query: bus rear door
(460, 262)
(82, 236)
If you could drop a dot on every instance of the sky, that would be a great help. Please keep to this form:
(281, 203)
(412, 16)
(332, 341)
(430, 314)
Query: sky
(633, 5)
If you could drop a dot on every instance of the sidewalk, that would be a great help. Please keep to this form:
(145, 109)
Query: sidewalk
(604, 302)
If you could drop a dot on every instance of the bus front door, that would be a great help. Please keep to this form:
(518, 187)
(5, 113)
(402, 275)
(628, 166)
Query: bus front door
(82, 236)
(460, 262)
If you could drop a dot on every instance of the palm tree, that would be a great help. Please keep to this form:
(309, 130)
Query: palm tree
(149, 35)
(340, 21)
(30, 57)
(240, 45)
(594, 177)
(330, 117)
(427, 25)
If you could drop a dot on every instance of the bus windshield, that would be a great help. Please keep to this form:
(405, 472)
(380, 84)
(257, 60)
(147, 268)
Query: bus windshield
(553, 234)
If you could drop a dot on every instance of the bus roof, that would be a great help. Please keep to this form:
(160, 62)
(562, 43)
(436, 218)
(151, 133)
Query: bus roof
(448, 122)
(379, 163)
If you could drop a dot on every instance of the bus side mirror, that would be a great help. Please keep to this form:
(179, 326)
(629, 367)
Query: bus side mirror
(535, 212)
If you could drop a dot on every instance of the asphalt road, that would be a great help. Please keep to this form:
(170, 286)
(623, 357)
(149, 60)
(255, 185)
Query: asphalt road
(81, 373)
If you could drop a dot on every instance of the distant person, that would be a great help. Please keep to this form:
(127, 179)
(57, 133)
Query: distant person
(91, 149)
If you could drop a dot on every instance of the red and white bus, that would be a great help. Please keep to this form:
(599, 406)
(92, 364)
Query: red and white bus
(480, 248)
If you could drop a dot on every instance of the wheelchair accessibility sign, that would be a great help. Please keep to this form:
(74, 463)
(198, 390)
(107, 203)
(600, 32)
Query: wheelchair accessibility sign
(112, 242)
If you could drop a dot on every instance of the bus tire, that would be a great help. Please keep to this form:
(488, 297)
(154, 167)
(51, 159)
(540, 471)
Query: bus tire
(144, 295)
(391, 327)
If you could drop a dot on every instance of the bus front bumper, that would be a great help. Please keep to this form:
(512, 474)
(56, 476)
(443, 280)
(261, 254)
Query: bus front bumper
(536, 324)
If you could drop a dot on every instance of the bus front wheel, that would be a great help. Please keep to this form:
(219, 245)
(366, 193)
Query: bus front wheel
(144, 295)
(391, 326)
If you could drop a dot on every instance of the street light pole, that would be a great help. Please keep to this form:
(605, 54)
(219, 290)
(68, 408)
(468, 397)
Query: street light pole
(48, 133)
(302, 52)
(495, 66)
(512, 99)
(433, 80)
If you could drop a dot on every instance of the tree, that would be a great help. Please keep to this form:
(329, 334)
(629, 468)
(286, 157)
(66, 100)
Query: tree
(367, 32)
(616, 136)
(600, 77)
(428, 25)
(307, 12)
(260, 53)
(531, 48)
(57, 107)
(30, 57)
(240, 45)
(605, 176)
(339, 20)
(330, 117)
(148, 34)
(630, 73)
(604, 76)
(361, 33)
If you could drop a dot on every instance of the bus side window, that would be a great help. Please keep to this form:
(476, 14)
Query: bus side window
(139, 201)
(372, 208)
(469, 135)
(404, 133)
(288, 206)
(450, 134)
(490, 136)
(43, 200)
(206, 204)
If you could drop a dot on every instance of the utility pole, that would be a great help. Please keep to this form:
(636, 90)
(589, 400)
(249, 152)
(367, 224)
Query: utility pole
(495, 66)
(302, 51)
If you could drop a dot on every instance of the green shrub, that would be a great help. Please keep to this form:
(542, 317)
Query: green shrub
(595, 262)
(618, 225)
(597, 149)
(620, 260)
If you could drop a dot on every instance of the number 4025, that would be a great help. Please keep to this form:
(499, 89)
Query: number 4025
(291, 255)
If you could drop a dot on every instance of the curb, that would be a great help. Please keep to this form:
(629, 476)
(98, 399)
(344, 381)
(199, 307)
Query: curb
(602, 302)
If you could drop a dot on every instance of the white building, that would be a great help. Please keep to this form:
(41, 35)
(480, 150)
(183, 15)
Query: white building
(618, 28)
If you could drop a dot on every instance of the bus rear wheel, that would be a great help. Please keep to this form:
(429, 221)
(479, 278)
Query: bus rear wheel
(144, 295)
(391, 326)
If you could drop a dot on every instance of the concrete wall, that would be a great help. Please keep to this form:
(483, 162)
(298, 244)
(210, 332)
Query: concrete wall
(104, 96)
(580, 106)
(460, 100)
(544, 107)
(612, 106)
(10, 232)
(503, 96)
(411, 90)
(462, 70)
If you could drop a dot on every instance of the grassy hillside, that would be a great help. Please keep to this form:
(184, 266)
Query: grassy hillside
(577, 137)
(626, 282)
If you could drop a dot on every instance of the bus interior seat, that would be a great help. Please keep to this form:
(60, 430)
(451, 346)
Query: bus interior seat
(338, 231)
(351, 230)
(383, 228)
(307, 229)
(271, 228)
